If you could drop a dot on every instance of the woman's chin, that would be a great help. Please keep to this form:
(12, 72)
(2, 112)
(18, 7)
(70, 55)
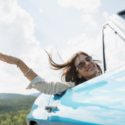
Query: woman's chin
(93, 74)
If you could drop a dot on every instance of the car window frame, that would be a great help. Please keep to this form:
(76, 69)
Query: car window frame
(103, 46)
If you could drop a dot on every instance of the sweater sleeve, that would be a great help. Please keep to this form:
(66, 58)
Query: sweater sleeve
(49, 87)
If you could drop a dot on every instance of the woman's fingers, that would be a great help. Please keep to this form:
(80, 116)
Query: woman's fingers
(8, 59)
(1, 56)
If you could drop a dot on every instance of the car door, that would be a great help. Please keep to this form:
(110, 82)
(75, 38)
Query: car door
(38, 114)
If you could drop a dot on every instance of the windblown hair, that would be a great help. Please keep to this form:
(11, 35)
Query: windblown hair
(69, 73)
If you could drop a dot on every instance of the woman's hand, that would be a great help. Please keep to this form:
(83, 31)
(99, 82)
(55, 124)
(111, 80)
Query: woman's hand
(8, 59)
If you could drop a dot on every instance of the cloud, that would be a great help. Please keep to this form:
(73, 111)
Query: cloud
(40, 10)
(106, 15)
(88, 7)
(87, 18)
(8, 11)
(82, 42)
(92, 25)
(17, 39)
(85, 5)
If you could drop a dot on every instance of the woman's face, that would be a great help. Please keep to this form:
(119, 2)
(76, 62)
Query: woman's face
(89, 70)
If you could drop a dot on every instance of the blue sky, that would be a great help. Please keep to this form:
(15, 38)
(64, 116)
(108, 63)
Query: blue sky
(27, 27)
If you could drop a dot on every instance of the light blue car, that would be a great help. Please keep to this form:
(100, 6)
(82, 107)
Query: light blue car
(99, 101)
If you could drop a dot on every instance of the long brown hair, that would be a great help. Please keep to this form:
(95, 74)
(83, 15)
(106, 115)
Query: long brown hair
(69, 73)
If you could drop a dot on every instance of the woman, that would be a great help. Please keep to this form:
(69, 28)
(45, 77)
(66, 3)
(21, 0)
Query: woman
(78, 69)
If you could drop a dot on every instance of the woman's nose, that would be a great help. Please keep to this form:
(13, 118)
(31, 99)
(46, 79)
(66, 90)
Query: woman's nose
(87, 63)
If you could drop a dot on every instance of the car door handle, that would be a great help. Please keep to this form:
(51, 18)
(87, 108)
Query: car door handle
(49, 108)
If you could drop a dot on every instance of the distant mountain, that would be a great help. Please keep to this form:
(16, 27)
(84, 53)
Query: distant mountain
(12, 95)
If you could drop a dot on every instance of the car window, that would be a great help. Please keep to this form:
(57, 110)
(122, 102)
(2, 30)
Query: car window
(114, 48)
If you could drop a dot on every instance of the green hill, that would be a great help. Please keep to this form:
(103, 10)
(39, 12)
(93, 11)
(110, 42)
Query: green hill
(15, 104)
(14, 111)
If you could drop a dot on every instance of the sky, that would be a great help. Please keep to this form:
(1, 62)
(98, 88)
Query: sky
(67, 26)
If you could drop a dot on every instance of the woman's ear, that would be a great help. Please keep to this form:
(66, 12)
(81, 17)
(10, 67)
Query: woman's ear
(79, 76)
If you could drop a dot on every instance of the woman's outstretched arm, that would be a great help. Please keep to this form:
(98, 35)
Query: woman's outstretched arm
(36, 81)
(22, 66)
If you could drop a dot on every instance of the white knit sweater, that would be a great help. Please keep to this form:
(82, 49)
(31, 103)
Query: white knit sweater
(49, 87)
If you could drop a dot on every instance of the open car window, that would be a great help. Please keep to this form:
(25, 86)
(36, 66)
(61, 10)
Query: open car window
(114, 48)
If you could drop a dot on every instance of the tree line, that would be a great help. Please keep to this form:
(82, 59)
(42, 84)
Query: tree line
(14, 111)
